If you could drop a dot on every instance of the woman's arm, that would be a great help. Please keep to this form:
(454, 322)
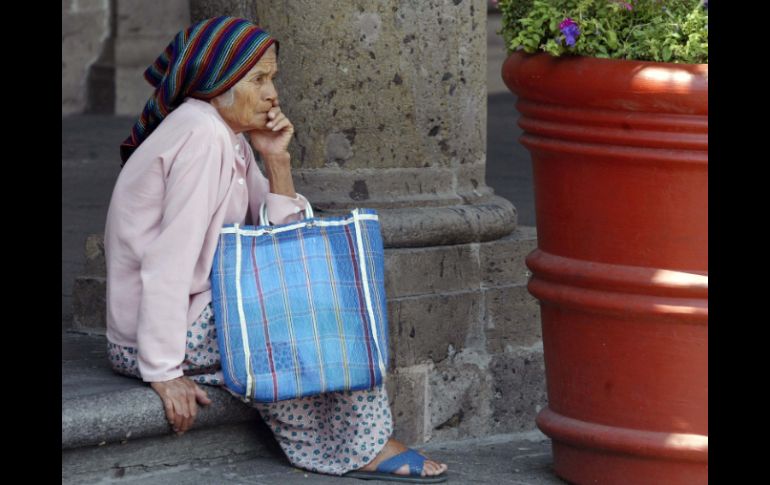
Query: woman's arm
(278, 168)
(283, 203)
(168, 263)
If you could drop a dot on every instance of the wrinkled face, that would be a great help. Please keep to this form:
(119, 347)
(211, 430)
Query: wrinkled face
(252, 97)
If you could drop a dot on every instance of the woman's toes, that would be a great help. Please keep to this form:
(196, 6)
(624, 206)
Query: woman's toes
(436, 468)
(430, 467)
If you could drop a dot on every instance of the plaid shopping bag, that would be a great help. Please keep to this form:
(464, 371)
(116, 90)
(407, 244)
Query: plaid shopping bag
(300, 307)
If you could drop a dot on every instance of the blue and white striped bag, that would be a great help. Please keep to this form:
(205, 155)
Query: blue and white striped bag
(300, 308)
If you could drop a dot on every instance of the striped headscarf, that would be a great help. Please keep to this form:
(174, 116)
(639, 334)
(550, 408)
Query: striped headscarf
(202, 62)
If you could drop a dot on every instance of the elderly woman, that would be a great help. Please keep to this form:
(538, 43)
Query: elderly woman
(188, 170)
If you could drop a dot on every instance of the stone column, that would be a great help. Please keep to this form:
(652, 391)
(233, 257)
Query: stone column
(144, 29)
(85, 28)
(388, 100)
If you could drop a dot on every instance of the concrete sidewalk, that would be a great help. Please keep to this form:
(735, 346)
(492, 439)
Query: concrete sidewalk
(499, 460)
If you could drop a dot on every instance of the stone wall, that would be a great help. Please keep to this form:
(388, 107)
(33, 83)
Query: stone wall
(107, 45)
(144, 29)
(85, 28)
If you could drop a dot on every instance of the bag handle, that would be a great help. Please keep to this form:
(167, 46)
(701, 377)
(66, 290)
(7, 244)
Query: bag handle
(264, 221)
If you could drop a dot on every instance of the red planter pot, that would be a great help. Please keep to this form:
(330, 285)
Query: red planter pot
(620, 165)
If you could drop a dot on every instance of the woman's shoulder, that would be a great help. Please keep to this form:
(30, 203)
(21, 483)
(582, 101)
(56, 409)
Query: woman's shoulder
(196, 118)
(191, 133)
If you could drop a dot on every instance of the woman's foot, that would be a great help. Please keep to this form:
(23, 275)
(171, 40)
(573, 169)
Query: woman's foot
(394, 447)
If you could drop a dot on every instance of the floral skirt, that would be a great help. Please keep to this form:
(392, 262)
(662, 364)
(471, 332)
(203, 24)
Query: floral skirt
(331, 433)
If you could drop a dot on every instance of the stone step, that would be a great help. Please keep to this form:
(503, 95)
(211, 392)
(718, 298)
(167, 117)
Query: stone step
(111, 423)
(156, 455)
(99, 406)
(113, 412)
(114, 425)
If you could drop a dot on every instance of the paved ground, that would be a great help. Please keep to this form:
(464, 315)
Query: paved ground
(502, 459)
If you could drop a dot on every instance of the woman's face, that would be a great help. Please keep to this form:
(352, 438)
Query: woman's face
(252, 97)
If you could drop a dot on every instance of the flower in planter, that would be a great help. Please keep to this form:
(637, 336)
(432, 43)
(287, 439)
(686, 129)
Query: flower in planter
(646, 30)
(570, 30)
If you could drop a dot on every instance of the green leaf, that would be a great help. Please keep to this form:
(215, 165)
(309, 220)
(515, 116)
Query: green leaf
(554, 25)
(531, 43)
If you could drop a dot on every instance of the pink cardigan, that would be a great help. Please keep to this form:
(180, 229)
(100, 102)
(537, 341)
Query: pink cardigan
(191, 176)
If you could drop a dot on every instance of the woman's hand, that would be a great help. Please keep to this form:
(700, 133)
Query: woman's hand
(275, 138)
(179, 398)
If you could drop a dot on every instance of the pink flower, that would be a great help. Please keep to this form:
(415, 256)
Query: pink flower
(570, 30)
(566, 23)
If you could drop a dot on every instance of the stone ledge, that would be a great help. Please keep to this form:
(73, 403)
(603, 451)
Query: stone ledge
(109, 422)
(116, 416)
(487, 219)
(231, 442)
(99, 406)
(437, 222)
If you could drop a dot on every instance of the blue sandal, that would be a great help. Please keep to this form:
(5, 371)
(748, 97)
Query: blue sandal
(386, 469)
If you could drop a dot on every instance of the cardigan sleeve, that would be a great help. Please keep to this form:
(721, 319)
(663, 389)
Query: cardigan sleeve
(281, 209)
(168, 262)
